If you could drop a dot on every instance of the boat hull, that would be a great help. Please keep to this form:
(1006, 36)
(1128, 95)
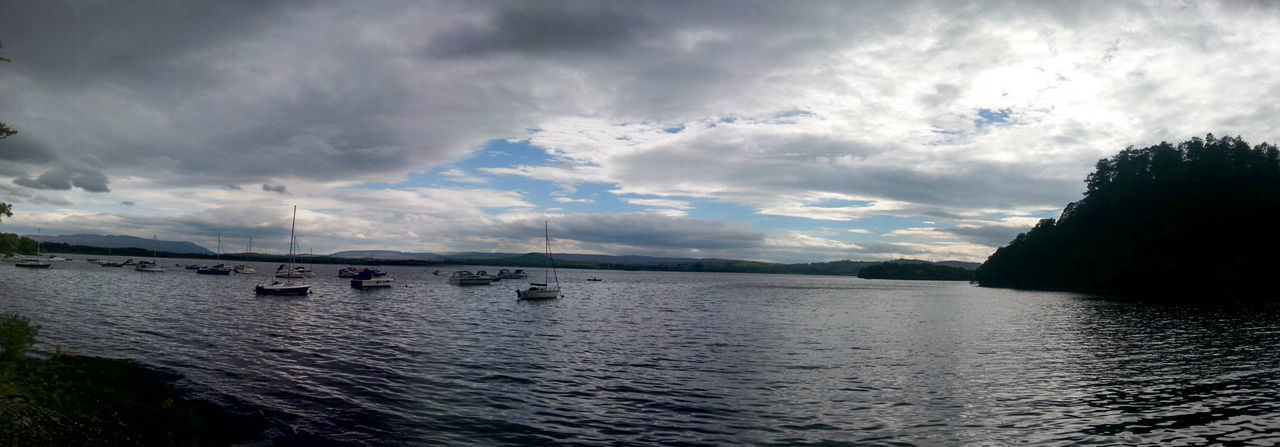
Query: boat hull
(33, 265)
(372, 283)
(538, 294)
(471, 281)
(282, 289)
(213, 271)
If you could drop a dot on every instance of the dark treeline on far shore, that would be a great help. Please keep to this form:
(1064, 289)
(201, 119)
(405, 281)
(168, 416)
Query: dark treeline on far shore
(915, 270)
(538, 260)
(12, 243)
(1191, 219)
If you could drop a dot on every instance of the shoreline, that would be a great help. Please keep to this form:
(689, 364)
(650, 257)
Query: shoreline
(74, 400)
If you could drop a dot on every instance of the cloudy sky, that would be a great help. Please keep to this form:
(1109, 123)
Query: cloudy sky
(778, 131)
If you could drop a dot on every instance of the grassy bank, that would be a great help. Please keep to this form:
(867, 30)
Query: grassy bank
(74, 400)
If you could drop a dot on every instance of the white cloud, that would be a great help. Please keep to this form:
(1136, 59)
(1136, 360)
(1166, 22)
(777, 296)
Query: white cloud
(976, 117)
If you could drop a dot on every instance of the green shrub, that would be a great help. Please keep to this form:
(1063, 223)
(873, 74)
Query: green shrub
(17, 334)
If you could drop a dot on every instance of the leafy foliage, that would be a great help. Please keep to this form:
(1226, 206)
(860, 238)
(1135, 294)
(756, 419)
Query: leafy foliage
(12, 243)
(17, 334)
(1188, 219)
(912, 270)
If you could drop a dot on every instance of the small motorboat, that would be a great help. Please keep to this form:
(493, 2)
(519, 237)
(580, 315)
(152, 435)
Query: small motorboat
(369, 279)
(220, 269)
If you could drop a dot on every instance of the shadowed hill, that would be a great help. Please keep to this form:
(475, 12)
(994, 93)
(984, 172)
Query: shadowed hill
(1185, 219)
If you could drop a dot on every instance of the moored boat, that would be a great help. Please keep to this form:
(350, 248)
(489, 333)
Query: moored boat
(152, 265)
(37, 263)
(368, 279)
(296, 271)
(508, 274)
(220, 269)
(541, 290)
(288, 287)
(469, 278)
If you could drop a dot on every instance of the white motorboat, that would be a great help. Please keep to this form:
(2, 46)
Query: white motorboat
(469, 278)
(508, 274)
(295, 272)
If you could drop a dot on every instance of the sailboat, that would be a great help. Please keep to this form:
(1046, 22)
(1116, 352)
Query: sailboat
(152, 265)
(36, 262)
(245, 268)
(220, 269)
(288, 287)
(540, 290)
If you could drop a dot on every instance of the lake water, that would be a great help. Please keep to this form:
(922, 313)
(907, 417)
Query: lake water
(646, 358)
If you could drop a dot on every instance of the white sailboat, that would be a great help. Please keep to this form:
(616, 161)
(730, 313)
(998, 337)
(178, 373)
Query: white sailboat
(220, 269)
(288, 287)
(37, 262)
(540, 290)
(152, 265)
(246, 269)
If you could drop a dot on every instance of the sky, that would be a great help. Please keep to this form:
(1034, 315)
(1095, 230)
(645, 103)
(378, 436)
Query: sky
(799, 131)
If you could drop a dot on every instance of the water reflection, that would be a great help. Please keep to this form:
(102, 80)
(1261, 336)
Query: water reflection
(652, 358)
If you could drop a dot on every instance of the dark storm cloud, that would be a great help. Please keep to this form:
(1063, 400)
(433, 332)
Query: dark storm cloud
(56, 179)
(274, 188)
(91, 181)
(657, 231)
(63, 179)
(542, 27)
(21, 148)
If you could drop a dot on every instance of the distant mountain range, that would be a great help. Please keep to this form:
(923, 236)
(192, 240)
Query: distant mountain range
(120, 241)
(516, 259)
(627, 260)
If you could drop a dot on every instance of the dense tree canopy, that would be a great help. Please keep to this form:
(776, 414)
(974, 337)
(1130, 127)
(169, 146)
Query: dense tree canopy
(1189, 219)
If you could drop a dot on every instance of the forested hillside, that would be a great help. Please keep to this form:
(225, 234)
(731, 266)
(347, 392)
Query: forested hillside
(1191, 218)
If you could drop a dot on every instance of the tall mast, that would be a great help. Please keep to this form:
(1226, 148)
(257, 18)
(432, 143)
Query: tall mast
(292, 225)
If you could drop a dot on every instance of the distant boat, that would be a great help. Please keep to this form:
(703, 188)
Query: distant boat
(151, 266)
(508, 274)
(369, 279)
(245, 269)
(540, 290)
(594, 279)
(348, 272)
(469, 278)
(293, 271)
(220, 269)
(288, 287)
(35, 262)
(56, 258)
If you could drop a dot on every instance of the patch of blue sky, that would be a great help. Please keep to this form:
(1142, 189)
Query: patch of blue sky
(990, 117)
(494, 154)
(834, 203)
(720, 211)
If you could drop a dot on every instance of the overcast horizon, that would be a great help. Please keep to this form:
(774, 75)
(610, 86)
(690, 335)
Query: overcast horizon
(771, 131)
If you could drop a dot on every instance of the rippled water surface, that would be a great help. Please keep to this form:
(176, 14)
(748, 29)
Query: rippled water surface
(646, 358)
